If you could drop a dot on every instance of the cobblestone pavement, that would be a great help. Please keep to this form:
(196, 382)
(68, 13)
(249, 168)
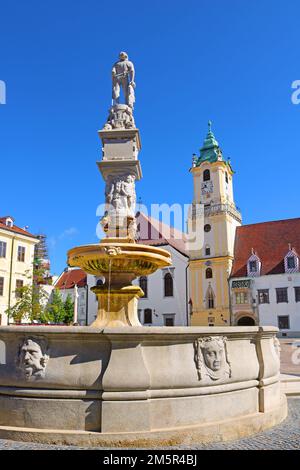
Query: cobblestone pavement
(286, 436)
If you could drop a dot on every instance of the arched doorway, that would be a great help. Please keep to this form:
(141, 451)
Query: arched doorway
(246, 321)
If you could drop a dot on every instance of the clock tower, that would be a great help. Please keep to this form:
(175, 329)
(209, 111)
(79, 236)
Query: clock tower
(215, 213)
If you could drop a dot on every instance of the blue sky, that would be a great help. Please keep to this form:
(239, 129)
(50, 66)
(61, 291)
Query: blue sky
(231, 61)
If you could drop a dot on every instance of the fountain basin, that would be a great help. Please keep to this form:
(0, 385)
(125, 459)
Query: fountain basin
(119, 257)
(139, 386)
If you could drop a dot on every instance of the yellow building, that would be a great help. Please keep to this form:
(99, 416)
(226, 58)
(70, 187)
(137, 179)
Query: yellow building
(16, 262)
(215, 216)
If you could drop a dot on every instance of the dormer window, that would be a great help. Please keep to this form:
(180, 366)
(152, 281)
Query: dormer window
(291, 261)
(9, 222)
(253, 265)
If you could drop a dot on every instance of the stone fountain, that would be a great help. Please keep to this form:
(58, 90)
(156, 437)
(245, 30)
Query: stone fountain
(116, 382)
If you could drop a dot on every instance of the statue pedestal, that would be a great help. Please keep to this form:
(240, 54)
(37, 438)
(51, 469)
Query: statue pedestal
(117, 307)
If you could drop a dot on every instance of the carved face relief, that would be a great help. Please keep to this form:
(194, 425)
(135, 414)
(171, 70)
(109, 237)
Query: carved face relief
(211, 357)
(32, 358)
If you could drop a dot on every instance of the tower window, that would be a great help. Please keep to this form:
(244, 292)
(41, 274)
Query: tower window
(207, 251)
(207, 228)
(208, 273)
(211, 303)
(206, 175)
(226, 177)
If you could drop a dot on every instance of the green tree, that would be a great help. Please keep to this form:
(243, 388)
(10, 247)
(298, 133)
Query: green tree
(55, 310)
(31, 299)
(69, 310)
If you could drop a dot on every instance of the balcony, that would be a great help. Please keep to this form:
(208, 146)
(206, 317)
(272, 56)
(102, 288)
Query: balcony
(215, 209)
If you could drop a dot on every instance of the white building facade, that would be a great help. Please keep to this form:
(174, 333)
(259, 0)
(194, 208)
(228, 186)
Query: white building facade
(269, 291)
(166, 297)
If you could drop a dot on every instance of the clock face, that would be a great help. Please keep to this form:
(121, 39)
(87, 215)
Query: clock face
(207, 187)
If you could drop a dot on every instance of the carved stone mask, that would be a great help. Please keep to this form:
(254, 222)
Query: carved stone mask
(31, 360)
(213, 354)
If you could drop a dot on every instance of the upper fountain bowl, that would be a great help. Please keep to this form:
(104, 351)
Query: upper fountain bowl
(118, 257)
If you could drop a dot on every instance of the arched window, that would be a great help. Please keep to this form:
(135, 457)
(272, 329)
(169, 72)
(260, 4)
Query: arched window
(226, 177)
(210, 302)
(206, 175)
(168, 285)
(147, 316)
(144, 285)
(208, 273)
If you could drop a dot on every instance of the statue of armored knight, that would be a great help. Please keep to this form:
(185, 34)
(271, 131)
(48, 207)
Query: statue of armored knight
(123, 75)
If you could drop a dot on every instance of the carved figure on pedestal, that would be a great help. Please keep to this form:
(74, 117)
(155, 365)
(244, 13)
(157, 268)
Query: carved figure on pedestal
(121, 115)
(123, 77)
(211, 357)
(32, 358)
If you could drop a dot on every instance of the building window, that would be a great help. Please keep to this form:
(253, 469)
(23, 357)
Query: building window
(19, 286)
(168, 285)
(207, 251)
(207, 228)
(1, 285)
(253, 266)
(263, 296)
(226, 177)
(291, 262)
(144, 285)
(208, 273)
(169, 320)
(2, 249)
(206, 175)
(297, 294)
(148, 316)
(241, 298)
(21, 253)
(284, 322)
(282, 295)
(210, 303)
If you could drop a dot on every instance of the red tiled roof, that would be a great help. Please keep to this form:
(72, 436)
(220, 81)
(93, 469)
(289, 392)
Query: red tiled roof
(70, 278)
(154, 232)
(14, 228)
(270, 241)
